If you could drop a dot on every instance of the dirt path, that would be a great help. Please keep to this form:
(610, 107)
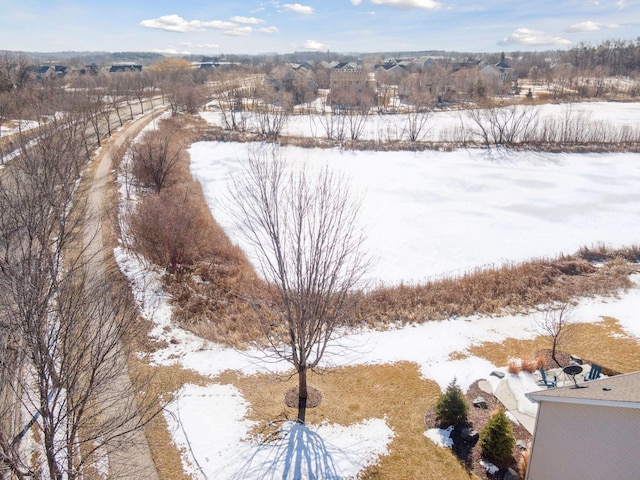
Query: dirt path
(134, 462)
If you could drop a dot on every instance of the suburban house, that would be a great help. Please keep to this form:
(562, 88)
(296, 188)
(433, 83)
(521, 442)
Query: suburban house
(390, 73)
(356, 81)
(287, 77)
(422, 63)
(126, 67)
(346, 67)
(592, 432)
(49, 71)
(500, 71)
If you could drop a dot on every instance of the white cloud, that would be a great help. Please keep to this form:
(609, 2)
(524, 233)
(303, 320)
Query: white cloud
(172, 51)
(247, 20)
(356, 2)
(297, 8)
(426, 4)
(175, 23)
(534, 38)
(239, 31)
(590, 26)
(269, 30)
(314, 45)
(200, 45)
(622, 4)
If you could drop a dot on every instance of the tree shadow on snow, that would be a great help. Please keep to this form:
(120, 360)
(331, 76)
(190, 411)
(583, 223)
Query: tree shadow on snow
(298, 453)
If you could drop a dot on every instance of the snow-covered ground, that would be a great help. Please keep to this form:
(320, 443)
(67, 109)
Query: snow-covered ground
(441, 124)
(427, 214)
(15, 126)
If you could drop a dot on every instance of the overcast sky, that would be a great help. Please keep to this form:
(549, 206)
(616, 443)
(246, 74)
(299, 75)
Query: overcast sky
(213, 27)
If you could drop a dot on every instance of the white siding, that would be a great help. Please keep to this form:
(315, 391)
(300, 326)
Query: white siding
(585, 442)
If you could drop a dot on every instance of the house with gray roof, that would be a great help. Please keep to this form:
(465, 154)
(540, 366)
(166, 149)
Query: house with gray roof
(587, 432)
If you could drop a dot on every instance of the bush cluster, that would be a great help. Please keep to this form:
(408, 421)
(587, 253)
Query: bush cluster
(496, 438)
(451, 407)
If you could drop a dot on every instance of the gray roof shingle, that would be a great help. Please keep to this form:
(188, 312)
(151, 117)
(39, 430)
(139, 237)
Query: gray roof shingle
(619, 390)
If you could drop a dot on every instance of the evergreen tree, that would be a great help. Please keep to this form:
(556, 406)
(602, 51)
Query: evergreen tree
(496, 438)
(451, 407)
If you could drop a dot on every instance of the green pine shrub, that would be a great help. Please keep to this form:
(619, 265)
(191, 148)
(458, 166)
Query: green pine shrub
(496, 438)
(451, 407)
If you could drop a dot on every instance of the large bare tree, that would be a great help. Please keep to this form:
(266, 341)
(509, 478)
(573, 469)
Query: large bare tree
(305, 237)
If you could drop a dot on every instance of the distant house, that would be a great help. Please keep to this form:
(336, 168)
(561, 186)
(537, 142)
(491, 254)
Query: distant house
(61, 70)
(588, 433)
(351, 80)
(326, 64)
(287, 77)
(45, 71)
(421, 63)
(501, 71)
(307, 65)
(125, 68)
(346, 67)
(205, 66)
(393, 72)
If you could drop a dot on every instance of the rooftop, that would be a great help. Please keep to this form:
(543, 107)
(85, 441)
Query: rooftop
(618, 391)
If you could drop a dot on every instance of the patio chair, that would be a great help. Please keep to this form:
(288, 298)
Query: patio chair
(547, 382)
(594, 373)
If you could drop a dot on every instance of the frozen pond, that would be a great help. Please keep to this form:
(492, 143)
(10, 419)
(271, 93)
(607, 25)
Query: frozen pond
(433, 213)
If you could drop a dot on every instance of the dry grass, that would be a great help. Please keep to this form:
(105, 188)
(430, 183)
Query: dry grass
(350, 395)
(607, 344)
(517, 365)
(507, 289)
(208, 291)
(604, 343)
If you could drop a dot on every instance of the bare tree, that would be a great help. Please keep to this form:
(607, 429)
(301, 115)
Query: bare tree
(154, 159)
(556, 326)
(420, 102)
(355, 106)
(63, 355)
(303, 229)
(231, 93)
(272, 110)
(171, 228)
(508, 125)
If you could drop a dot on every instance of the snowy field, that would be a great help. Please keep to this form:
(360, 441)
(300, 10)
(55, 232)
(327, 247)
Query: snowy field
(426, 214)
(442, 124)
(429, 214)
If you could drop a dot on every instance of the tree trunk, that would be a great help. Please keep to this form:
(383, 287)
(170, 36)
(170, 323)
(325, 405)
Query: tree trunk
(302, 394)
(553, 354)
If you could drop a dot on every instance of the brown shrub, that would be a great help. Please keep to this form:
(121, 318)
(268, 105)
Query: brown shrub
(523, 464)
(517, 365)
(529, 365)
(514, 366)
(511, 288)
(172, 228)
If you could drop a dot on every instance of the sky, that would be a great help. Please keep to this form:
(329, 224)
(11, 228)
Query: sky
(217, 27)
